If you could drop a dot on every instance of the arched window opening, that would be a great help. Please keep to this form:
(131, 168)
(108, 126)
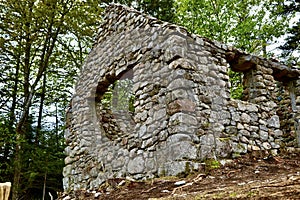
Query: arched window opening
(115, 107)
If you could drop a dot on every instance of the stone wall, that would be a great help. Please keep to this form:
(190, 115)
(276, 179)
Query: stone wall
(182, 111)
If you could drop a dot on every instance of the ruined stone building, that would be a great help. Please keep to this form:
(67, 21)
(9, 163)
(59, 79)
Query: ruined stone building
(153, 99)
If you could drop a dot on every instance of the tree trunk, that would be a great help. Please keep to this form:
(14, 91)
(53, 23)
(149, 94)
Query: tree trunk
(44, 188)
(17, 167)
(56, 126)
(41, 107)
(26, 104)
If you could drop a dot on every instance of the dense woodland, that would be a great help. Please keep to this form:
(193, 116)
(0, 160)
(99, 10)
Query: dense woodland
(43, 44)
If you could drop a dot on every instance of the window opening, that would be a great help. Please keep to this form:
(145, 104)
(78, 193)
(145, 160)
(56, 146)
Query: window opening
(237, 87)
(115, 106)
(119, 96)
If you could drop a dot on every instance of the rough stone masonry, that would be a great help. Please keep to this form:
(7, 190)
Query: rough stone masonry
(153, 99)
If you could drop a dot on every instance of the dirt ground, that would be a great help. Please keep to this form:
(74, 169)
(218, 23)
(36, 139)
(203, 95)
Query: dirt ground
(248, 177)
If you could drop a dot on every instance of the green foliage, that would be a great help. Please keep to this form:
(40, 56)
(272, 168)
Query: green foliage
(161, 9)
(42, 47)
(291, 48)
(119, 96)
(211, 164)
(7, 141)
(236, 89)
(248, 24)
(46, 160)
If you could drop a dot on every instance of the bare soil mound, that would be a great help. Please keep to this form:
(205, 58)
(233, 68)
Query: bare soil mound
(248, 177)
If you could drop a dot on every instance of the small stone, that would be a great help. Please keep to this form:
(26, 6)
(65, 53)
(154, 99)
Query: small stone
(122, 183)
(160, 114)
(97, 194)
(234, 138)
(258, 142)
(266, 145)
(94, 172)
(271, 139)
(231, 130)
(241, 106)
(68, 160)
(274, 145)
(263, 122)
(218, 127)
(142, 131)
(181, 105)
(130, 179)
(178, 138)
(235, 116)
(147, 143)
(205, 99)
(278, 133)
(251, 142)
(240, 126)
(179, 94)
(180, 83)
(252, 108)
(239, 147)
(271, 104)
(244, 139)
(178, 183)
(254, 117)
(260, 99)
(274, 122)
(255, 148)
(245, 133)
(179, 118)
(136, 165)
(246, 126)
(263, 135)
(245, 118)
(67, 170)
(274, 152)
(249, 147)
(254, 135)
(262, 127)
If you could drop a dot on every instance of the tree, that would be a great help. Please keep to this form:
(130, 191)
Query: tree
(292, 45)
(161, 9)
(43, 45)
(248, 24)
